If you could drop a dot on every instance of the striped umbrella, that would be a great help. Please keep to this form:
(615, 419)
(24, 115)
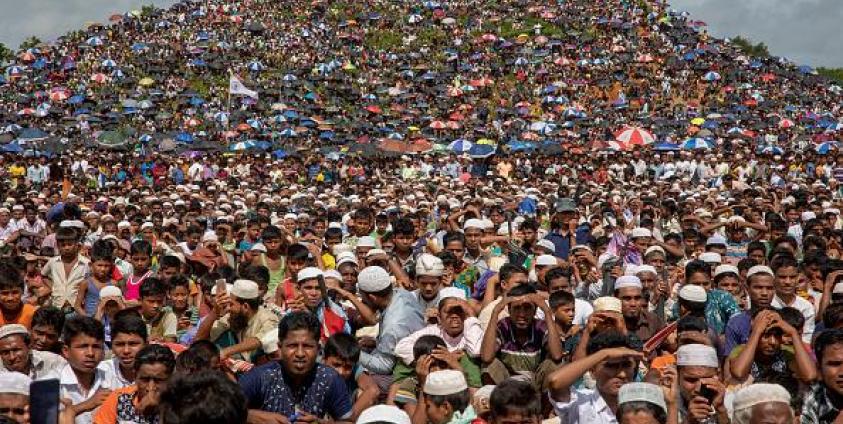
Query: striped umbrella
(634, 136)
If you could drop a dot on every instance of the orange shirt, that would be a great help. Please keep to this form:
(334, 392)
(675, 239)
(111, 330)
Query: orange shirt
(107, 412)
(24, 317)
(663, 361)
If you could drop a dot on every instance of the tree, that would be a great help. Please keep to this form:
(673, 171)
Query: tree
(30, 42)
(835, 74)
(6, 53)
(750, 49)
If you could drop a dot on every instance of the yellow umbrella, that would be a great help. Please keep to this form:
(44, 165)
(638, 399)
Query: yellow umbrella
(146, 81)
(486, 141)
(412, 128)
(697, 121)
(522, 38)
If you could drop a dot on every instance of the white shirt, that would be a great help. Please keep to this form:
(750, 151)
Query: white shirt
(808, 312)
(582, 310)
(71, 389)
(115, 380)
(584, 406)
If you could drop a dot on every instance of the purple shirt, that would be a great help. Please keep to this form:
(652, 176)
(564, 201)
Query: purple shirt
(737, 331)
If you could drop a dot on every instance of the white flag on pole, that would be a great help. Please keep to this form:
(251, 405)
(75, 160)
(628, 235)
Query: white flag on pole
(235, 86)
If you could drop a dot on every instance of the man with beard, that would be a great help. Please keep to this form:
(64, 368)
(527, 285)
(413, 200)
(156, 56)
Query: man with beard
(237, 323)
(296, 388)
(640, 322)
(612, 362)
(16, 355)
(702, 391)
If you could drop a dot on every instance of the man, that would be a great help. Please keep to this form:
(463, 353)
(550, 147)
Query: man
(47, 324)
(639, 321)
(12, 308)
(702, 392)
(400, 315)
(14, 396)
(564, 235)
(821, 405)
(16, 355)
(239, 317)
(429, 271)
(762, 403)
(296, 388)
(761, 290)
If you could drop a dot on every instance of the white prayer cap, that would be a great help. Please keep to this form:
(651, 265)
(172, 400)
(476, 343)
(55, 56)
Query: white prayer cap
(693, 293)
(340, 248)
(725, 269)
(258, 247)
(642, 392)
(640, 232)
(838, 288)
(628, 281)
(375, 252)
(332, 273)
(546, 260)
(308, 273)
(577, 247)
(429, 265)
(756, 394)
(607, 304)
(445, 382)
(209, 237)
(110, 291)
(373, 279)
(383, 414)
(473, 223)
(245, 289)
(653, 249)
(547, 244)
(290, 216)
(14, 383)
(451, 292)
(759, 269)
(73, 223)
(697, 355)
(366, 241)
(345, 258)
(808, 215)
(12, 329)
(146, 225)
(715, 239)
(711, 258)
(630, 269)
(645, 268)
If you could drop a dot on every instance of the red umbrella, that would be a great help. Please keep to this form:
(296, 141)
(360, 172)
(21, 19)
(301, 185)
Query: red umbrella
(635, 136)
(453, 125)
(438, 125)
(374, 109)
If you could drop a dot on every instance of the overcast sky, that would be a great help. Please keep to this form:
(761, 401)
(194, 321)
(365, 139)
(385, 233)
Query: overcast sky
(805, 31)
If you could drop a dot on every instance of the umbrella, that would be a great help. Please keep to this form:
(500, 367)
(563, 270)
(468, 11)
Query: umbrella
(786, 123)
(460, 145)
(711, 76)
(398, 146)
(634, 136)
(256, 66)
(828, 146)
(480, 151)
(770, 150)
(13, 147)
(697, 143)
(666, 147)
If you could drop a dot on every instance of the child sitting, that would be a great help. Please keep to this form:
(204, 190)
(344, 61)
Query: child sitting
(342, 353)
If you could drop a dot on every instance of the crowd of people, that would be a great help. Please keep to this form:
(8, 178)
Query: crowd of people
(449, 212)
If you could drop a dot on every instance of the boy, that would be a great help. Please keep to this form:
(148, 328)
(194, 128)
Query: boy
(515, 401)
(12, 308)
(275, 243)
(85, 385)
(101, 266)
(47, 323)
(562, 305)
(341, 353)
(445, 398)
(140, 256)
(67, 270)
(162, 325)
(128, 337)
(178, 288)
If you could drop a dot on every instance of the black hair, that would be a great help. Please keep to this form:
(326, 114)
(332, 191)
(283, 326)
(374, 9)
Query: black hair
(207, 397)
(521, 290)
(508, 270)
(298, 321)
(342, 345)
(178, 280)
(66, 234)
(560, 298)
(197, 357)
(155, 354)
(691, 323)
(793, 317)
(558, 272)
(404, 227)
(784, 261)
(129, 323)
(425, 345)
(514, 397)
(756, 245)
(194, 229)
(271, 232)
(298, 251)
(832, 316)
(333, 232)
(529, 224)
(453, 236)
(643, 406)
(826, 338)
(82, 325)
(10, 278)
(49, 316)
(208, 281)
(746, 263)
(102, 250)
(153, 286)
(606, 340)
(696, 266)
(170, 261)
(141, 246)
(458, 401)
(448, 258)
(257, 273)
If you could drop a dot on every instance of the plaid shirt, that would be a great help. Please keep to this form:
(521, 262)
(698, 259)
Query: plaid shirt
(818, 408)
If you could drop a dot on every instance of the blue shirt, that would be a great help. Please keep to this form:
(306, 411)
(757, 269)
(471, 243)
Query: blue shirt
(402, 317)
(562, 243)
(323, 392)
(737, 331)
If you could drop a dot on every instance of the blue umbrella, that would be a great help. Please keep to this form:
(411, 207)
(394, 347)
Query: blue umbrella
(697, 143)
(825, 148)
(280, 154)
(75, 100)
(770, 150)
(288, 132)
(481, 151)
(196, 101)
(666, 147)
(184, 137)
(32, 134)
(805, 69)
(711, 76)
(460, 145)
(13, 147)
(326, 135)
(519, 146)
(290, 114)
(256, 66)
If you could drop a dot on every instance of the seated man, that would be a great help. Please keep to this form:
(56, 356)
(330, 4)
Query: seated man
(14, 396)
(17, 356)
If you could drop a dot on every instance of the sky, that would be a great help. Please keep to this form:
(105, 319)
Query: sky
(805, 31)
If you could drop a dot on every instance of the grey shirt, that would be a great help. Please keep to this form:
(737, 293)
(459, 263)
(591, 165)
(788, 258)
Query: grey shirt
(402, 317)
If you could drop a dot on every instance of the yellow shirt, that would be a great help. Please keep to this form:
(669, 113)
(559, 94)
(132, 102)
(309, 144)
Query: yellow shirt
(17, 171)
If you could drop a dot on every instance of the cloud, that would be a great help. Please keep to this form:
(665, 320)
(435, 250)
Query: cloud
(48, 19)
(805, 31)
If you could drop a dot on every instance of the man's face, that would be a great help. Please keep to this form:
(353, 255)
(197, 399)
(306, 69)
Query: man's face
(564, 314)
(14, 353)
(4, 218)
(515, 418)
(125, 347)
(428, 286)
(44, 337)
(630, 301)
(831, 367)
(298, 352)
(343, 367)
(140, 260)
(84, 353)
(312, 293)
(689, 380)
(558, 284)
(193, 240)
(151, 305)
(730, 284)
(10, 299)
(761, 290)
(452, 317)
(403, 242)
(522, 314)
(101, 268)
(15, 406)
(787, 280)
(68, 248)
(529, 235)
(349, 276)
(613, 374)
(456, 248)
(472, 238)
(700, 279)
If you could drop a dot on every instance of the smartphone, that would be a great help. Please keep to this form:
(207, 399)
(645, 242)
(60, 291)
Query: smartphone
(44, 401)
(708, 393)
(221, 288)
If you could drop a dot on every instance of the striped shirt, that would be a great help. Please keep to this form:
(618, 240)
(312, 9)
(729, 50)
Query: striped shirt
(518, 356)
